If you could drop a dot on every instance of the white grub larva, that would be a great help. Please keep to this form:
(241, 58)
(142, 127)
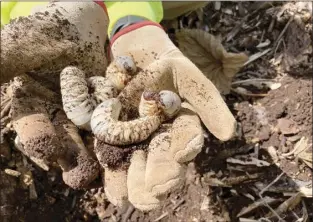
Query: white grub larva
(79, 102)
(106, 126)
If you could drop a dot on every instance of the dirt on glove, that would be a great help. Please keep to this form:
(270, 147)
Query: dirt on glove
(117, 158)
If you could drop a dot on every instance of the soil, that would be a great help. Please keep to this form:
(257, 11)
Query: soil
(217, 188)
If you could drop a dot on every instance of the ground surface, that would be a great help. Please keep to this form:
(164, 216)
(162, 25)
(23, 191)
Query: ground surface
(218, 186)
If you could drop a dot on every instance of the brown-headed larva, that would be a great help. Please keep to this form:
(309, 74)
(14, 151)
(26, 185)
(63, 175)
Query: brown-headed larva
(154, 108)
(79, 102)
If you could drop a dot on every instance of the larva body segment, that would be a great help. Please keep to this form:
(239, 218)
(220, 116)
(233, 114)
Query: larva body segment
(148, 106)
(102, 88)
(106, 127)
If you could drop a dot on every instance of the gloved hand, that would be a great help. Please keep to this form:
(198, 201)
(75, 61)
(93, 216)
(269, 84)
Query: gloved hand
(152, 175)
(57, 35)
(54, 36)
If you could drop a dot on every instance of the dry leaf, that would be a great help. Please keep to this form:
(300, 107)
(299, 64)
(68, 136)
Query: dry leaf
(209, 55)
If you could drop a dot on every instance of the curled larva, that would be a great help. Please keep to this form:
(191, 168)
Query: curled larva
(77, 102)
(80, 96)
(106, 126)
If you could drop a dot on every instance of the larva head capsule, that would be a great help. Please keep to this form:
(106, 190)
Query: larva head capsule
(120, 71)
(148, 105)
(170, 103)
(125, 64)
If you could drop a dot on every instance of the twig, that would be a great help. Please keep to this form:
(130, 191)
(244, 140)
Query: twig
(271, 184)
(128, 213)
(283, 31)
(3, 103)
(237, 28)
(161, 217)
(305, 215)
(278, 44)
(299, 147)
(178, 204)
(5, 110)
(271, 26)
(249, 94)
(263, 190)
(290, 203)
(256, 204)
(278, 40)
(241, 219)
(256, 56)
(73, 202)
(250, 80)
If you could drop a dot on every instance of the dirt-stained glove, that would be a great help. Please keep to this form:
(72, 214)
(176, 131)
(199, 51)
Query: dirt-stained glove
(46, 135)
(56, 35)
(156, 172)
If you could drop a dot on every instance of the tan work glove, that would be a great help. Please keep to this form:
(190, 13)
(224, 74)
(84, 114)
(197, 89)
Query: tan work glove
(164, 67)
(57, 35)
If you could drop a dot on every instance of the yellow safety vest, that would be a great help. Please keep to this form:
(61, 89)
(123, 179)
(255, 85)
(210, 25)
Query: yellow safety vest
(151, 10)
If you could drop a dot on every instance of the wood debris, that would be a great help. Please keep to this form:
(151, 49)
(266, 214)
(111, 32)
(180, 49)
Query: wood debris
(12, 172)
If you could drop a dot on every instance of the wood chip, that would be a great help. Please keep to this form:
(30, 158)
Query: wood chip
(257, 56)
(161, 217)
(259, 83)
(12, 172)
(252, 161)
(264, 44)
(273, 153)
(241, 219)
(205, 204)
(32, 192)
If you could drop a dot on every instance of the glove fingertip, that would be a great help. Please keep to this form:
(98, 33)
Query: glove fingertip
(227, 132)
(191, 150)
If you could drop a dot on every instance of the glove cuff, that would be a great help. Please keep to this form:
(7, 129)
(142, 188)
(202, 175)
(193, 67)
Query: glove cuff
(124, 22)
(133, 27)
(149, 10)
(101, 3)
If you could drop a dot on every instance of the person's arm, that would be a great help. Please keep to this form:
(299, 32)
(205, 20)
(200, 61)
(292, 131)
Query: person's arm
(13, 10)
(122, 14)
